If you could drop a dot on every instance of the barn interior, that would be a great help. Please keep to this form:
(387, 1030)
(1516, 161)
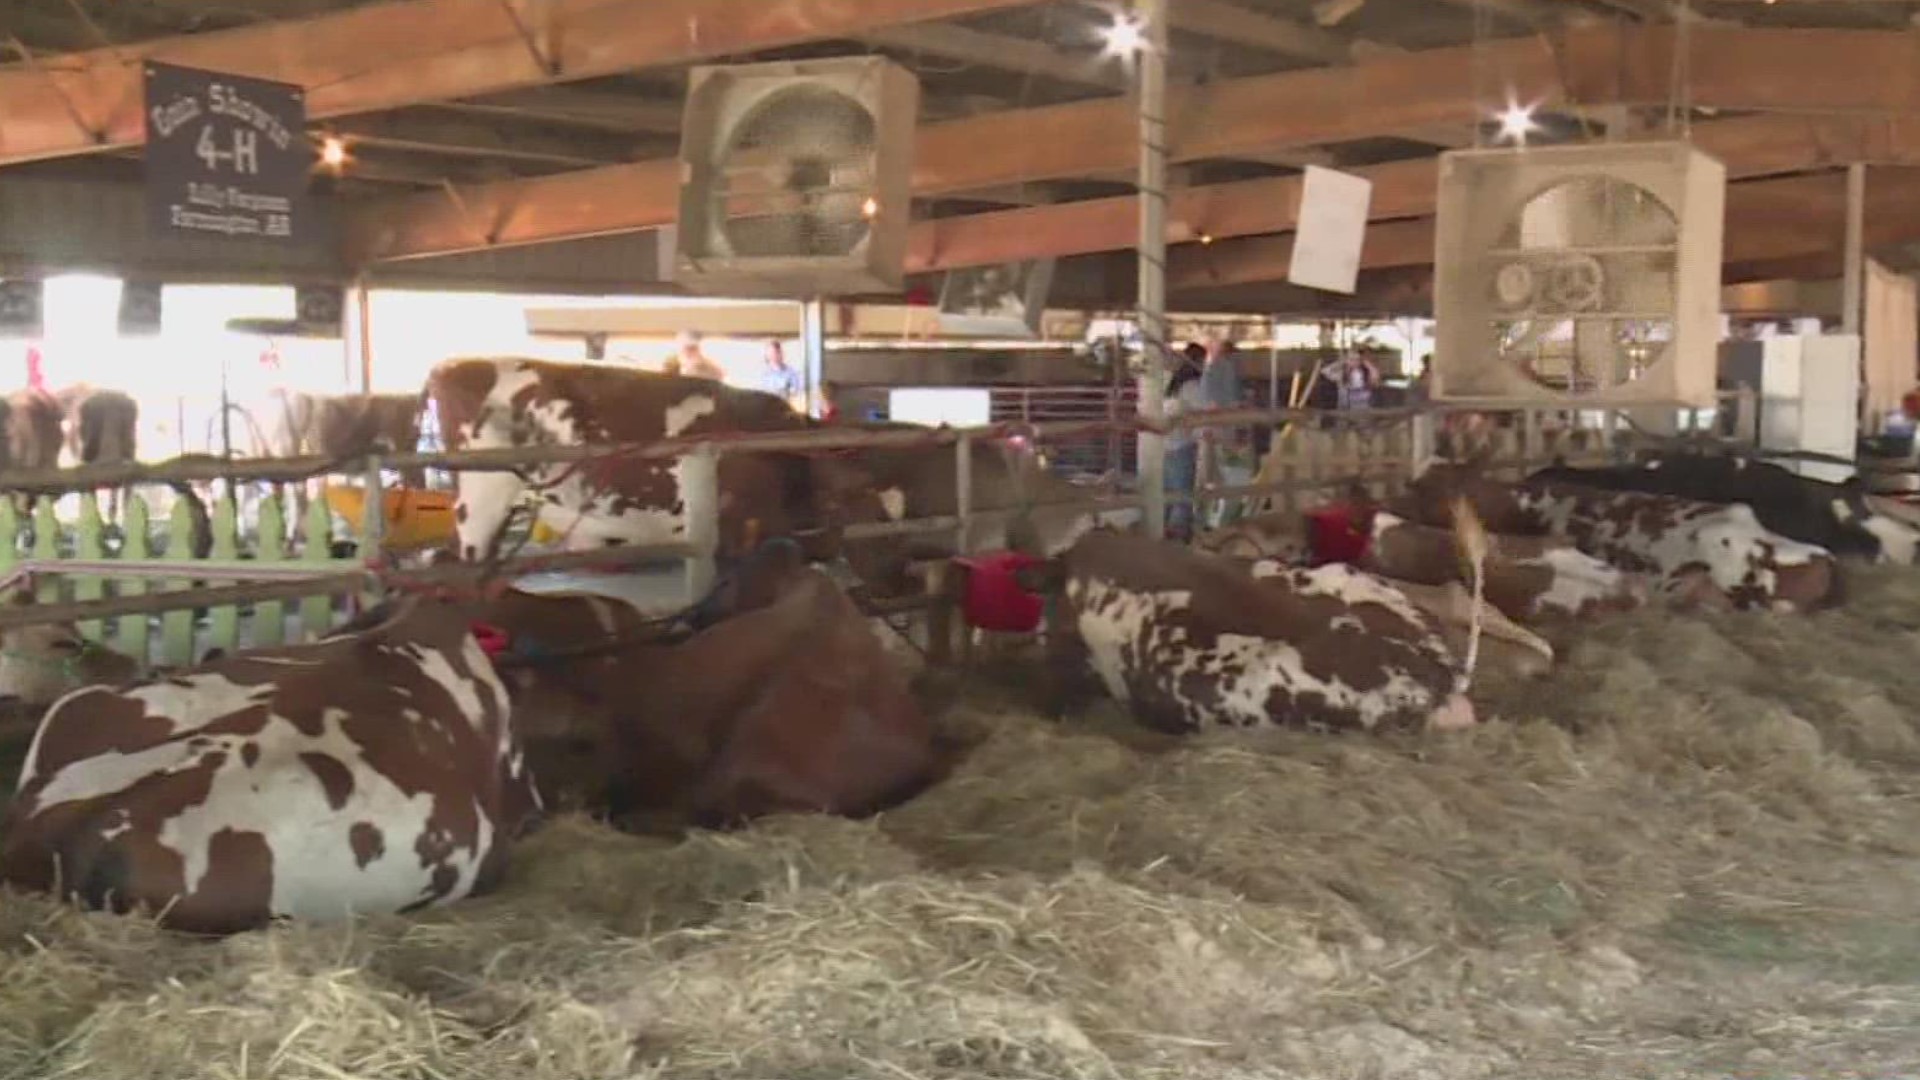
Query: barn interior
(1687, 851)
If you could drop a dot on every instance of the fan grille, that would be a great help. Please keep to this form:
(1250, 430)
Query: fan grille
(1582, 285)
(797, 177)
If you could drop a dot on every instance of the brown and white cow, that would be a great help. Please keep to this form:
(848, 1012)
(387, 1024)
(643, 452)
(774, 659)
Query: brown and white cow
(1696, 552)
(785, 702)
(511, 402)
(1190, 640)
(1527, 578)
(373, 771)
(42, 662)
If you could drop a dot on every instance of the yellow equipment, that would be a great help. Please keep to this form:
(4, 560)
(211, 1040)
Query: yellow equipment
(416, 518)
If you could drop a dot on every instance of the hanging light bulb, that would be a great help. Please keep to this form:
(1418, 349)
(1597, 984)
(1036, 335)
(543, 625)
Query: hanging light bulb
(1516, 122)
(1126, 37)
(333, 152)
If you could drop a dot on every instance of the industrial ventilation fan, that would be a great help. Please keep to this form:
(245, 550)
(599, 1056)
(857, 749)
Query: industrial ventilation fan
(795, 178)
(1583, 274)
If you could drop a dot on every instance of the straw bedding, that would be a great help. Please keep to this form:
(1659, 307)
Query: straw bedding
(1690, 852)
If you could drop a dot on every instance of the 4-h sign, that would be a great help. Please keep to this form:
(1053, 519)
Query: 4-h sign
(227, 156)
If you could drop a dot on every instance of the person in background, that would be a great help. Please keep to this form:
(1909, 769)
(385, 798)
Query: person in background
(1420, 391)
(1185, 395)
(688, 359)
(1224, 450)
(777, 378)
(1355, 376)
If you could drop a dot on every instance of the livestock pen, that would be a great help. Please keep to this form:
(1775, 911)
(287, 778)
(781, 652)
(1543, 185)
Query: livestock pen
(1689, 851)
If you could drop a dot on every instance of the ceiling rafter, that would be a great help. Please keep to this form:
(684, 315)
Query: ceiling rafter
(1036, 58)
(388, 55)
(1225, 119)
(1223, 21)
(1749, 146)
(1767, 220)
(1087, 138)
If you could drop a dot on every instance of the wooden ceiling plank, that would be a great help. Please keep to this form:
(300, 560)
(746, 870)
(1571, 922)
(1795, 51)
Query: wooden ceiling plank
(1223, 21)
(1004, 53)
(597, 110)
(1219, 120)
(1238, 117)
(389, 55)
(1767, 220)
(1752, 146)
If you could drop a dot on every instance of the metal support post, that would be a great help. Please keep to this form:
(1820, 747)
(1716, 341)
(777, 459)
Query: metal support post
(1152, 314)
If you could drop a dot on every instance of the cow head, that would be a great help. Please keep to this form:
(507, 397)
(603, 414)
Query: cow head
(42, 662)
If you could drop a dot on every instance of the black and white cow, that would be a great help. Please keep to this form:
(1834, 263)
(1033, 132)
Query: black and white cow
(1837, 517)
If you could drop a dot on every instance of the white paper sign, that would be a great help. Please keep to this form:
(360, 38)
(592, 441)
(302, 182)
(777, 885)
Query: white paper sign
(1333, 226)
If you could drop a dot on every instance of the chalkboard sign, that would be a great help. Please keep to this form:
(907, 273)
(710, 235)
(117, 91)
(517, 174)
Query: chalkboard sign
(227, 156)
(139, 308)
(21, 311)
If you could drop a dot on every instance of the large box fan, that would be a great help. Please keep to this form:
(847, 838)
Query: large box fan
(795, 178)
(1588, 274)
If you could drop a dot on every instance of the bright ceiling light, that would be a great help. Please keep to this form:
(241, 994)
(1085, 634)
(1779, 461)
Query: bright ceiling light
(1126, 37)
(333, 152)
(1516, 122)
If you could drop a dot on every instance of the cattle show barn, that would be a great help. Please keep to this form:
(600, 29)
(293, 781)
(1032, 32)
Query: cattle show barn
(1267, 716)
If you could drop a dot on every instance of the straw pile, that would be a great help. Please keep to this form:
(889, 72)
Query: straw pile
(1691, 852)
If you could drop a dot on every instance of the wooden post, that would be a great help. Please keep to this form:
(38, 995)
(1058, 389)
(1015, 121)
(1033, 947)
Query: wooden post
(963, 493)
(1852, 269)
(700, 492)
(373, 526)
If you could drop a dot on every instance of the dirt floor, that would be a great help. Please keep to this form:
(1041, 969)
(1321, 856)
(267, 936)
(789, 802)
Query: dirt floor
(1694, 851)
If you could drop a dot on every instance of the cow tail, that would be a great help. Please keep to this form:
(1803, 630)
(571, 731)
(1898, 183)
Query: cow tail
(1471, 535)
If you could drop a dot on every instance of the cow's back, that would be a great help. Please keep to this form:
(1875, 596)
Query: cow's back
(371, 772)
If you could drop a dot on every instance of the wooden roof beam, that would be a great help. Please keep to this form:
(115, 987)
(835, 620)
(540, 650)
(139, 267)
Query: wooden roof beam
(1767, 221)
(1083, 138)
(384, 56)
(1034, 58)
(591, 109)
(1223, 21)
(1752, 146)
(1735, 68)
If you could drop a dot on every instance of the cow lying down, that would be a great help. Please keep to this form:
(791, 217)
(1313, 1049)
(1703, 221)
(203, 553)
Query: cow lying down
(1696, 553)
(1189, 641)
(785, 702)
(372, 771)
(386, 768)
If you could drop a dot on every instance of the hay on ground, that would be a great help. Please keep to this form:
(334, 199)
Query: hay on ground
(1691, 851)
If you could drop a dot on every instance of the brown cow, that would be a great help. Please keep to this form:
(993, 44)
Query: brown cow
(789, 703)
(373, 771)
(341, 426)
(103, 428)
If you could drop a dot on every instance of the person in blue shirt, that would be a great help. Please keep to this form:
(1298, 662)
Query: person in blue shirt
(776, 377)
(1185, 394)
